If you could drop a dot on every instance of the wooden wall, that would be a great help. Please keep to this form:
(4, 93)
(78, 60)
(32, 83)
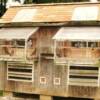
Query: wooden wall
(46, 71)
(50, 72)
(2, 75)
(81, 91)
(45, 36)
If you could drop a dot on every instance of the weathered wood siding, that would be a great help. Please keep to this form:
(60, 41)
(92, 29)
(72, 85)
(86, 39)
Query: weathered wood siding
(47, 71)
(81, 53)
(60, 72)
(2, 75)
(81, 91)
(45, 42)
(50, 71)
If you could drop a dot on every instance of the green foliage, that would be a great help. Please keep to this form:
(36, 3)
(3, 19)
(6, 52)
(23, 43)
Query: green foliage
(97, 64)
(1, 92)
(54, 1)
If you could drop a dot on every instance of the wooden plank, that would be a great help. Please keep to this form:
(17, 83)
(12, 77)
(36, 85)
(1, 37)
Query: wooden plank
(2, 75)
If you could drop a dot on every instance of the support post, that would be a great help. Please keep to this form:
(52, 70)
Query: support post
(25, 49)
(9, 94)
(87, 50)
(54, 49)
(45, 97)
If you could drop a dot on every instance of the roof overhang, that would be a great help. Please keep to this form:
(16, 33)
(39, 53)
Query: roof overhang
(38, 24)
(78, 34)
(17, 33)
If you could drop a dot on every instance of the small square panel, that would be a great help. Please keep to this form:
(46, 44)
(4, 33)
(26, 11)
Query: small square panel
(42, 80)
(57, 81)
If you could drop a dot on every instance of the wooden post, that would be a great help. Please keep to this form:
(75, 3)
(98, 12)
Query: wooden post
(55, 49)
(87, 50)
(45, 97)
(25, 49)
(99, 77)
(2, 75)
(6, 93)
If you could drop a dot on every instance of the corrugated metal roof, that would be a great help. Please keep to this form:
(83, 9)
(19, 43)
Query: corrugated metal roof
(50, 13)
(78, 34)
(16, 33)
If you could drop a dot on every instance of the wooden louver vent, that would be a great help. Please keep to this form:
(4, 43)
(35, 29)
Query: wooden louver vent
(83, 76)
(20, 72)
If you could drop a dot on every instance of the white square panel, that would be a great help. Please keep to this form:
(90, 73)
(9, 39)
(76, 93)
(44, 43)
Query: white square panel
(56, 81)
(25, 15)
(85, 13)
(43, 80)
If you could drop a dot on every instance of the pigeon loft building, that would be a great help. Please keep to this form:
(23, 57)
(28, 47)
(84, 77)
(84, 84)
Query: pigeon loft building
(51, 50)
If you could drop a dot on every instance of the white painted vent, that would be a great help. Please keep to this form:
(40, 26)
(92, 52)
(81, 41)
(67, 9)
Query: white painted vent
(85, 13)
(24, 15)
(84, 76)
(56, 81)
(43, 80)
(20, 72)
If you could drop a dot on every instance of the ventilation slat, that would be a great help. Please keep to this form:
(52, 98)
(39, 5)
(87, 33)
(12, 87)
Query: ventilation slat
(83, 75)
(19, 72)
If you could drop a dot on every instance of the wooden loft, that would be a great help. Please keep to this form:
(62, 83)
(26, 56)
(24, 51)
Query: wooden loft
(17, 44)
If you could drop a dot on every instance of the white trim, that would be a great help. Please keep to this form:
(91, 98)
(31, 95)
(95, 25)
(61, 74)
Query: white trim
(25, 49)
(98, 76)
(33, 73)
(31, 33)
(68, 75)
(20, 74)
(55, 49)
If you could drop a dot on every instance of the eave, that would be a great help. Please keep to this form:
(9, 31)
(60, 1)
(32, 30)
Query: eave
(67, 23)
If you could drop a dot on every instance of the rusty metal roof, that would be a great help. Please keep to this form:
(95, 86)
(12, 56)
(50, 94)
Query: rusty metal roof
(48, 13)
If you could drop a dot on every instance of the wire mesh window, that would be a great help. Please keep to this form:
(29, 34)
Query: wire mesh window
(78, 44)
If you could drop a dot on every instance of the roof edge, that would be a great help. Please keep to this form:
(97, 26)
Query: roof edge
(55, 4)
(67, 23)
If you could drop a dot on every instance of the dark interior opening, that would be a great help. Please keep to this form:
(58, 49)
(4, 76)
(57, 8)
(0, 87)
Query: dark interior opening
(20, 70)
(70, 98)
(26, 95)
